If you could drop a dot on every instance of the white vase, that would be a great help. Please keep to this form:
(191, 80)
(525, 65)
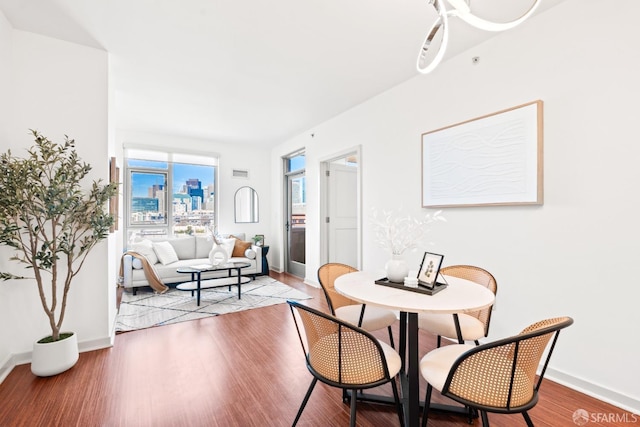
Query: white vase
(218, 255)
(55, 357)
(397, 269)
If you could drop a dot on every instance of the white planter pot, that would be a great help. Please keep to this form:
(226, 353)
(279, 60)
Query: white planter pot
(397, 269)
(55, 357)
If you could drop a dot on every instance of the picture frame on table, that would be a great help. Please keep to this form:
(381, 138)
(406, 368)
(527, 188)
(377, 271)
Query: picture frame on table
(259, 239)
(429, 269)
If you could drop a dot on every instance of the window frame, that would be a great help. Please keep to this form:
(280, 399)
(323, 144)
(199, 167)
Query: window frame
(166, 230)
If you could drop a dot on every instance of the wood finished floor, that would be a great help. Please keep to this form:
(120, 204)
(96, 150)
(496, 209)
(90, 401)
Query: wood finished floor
(242, 369)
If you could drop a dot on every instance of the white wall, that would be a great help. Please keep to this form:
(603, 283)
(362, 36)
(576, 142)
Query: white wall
(253, 159)
(574, 255)
(5, 105)
(56, 88)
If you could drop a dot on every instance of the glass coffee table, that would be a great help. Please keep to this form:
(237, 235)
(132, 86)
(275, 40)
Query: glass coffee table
(197, 283)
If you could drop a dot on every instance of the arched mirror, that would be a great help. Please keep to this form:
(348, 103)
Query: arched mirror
(246, 205)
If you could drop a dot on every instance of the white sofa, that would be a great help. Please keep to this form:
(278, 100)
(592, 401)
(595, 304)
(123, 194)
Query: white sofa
(189, 251)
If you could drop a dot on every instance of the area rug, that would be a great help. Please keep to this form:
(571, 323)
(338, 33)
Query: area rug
(147, 309)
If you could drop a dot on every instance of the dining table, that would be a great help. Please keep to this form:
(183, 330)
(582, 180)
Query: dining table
(459, 296)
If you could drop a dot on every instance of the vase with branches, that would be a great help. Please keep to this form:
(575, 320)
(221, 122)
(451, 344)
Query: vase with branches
(50, 221)
(399, 233)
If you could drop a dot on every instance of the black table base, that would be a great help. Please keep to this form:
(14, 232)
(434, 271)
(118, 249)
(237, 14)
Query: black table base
(410, 377)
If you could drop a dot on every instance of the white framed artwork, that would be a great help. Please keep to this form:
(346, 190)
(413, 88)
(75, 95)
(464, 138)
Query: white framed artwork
(496, 159)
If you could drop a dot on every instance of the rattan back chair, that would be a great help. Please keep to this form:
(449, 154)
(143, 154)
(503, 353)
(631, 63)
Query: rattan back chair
(495, 377)
(369, 318)
(473, 325)
(342, 355)
(327, 274)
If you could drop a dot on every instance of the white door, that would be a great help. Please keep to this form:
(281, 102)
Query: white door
(342, 212)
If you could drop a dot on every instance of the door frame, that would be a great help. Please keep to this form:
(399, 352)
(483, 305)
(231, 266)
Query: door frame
(324, 202)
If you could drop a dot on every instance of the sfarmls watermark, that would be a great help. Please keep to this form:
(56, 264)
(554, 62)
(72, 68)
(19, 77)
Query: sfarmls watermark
(582, 417)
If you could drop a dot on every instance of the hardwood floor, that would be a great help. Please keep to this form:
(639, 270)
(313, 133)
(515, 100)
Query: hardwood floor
(241, 369)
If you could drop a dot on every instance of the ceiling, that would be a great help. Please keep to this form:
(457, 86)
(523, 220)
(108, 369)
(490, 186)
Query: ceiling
(248, 71)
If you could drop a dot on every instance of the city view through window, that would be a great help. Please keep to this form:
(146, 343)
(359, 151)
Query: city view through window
(170, 198)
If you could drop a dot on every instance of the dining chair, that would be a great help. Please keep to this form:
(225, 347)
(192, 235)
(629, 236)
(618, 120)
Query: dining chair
(497, 377)
(369, 318)
(473, 325)
(343, 355)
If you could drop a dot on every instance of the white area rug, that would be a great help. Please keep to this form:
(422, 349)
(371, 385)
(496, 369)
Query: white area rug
(147, 309)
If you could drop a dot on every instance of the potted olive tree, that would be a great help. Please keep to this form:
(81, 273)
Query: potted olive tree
(52, 223)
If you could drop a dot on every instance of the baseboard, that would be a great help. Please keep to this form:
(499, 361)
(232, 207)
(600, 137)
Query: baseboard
(311, 282)
(22, 358)
(596, 391)
(98, 344)
(6, 367)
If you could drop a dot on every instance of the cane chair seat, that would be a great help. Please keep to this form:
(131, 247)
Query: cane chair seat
(369, 318)
(374, 318)
(435, 366)
(473, 325)
(343, 355)
(443, 325)
(496, 377)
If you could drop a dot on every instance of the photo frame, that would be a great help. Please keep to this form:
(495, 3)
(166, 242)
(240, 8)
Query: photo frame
(429, 269)
(496, 159)
(259, 239)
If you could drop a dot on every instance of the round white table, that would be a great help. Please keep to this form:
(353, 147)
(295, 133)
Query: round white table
(459, 297)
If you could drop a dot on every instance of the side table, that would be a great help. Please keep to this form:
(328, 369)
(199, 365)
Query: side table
(265, 263)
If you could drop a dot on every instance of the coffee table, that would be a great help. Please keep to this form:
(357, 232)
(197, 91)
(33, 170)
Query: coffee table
(197, 284)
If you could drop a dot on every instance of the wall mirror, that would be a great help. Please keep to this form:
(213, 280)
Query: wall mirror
(246, 205)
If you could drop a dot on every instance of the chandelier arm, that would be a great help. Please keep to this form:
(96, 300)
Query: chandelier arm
(441, 23)
(462, 6)
(486, 25)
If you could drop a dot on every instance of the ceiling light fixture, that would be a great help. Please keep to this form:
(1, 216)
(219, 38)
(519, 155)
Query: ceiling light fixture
(459, 9)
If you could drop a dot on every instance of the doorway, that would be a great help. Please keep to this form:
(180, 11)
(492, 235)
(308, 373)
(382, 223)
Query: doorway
(296, 214)
(341, 210)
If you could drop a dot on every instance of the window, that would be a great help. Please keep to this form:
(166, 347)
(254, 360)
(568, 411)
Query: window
(295, 166)
(169, 194)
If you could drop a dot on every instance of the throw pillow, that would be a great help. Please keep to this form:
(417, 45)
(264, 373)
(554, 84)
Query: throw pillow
(240, 247)
(250, 253)
(228, 245)
(145, 248)
(165, 252)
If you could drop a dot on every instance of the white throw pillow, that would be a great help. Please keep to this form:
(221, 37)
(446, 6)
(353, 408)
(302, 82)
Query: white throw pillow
(250, 253)
(165, 252)
(136, 263)
(228, 245)
(145, 248)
